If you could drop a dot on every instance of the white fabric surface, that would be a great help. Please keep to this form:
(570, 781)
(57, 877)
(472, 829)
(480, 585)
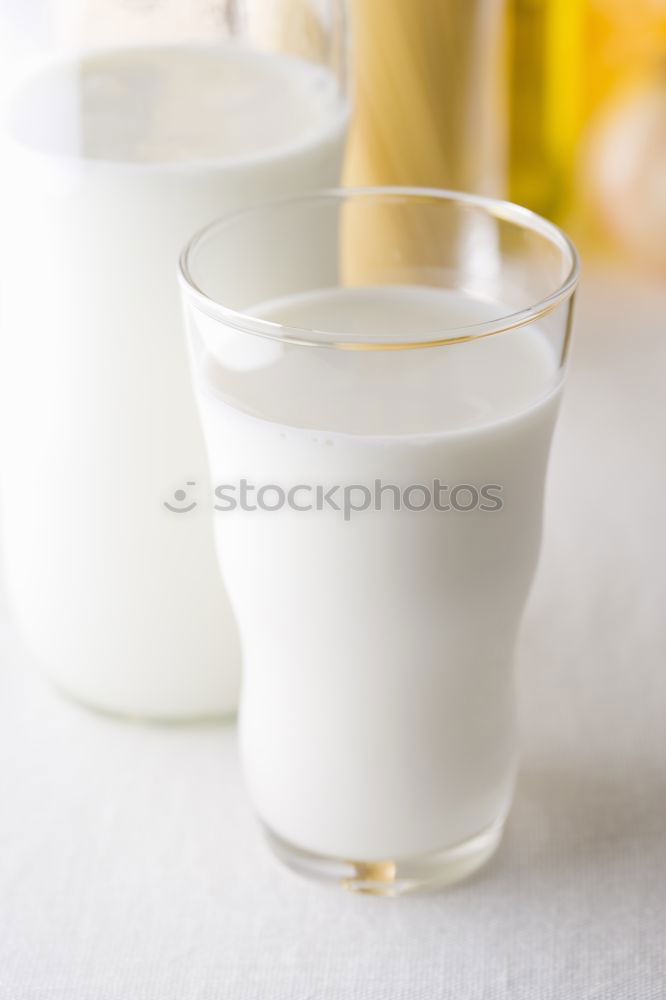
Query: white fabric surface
(131, 869)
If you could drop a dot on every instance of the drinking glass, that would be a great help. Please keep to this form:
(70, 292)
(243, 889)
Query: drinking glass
(126, 126)
(378, 414)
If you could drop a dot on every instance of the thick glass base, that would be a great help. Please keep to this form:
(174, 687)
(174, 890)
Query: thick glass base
(393, 878)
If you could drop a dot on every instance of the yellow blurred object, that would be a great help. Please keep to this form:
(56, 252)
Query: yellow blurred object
(546, 40)
(432, 78)
(626, 41)
(587, 118)
(622, 159)
(430, 111)
(429, 102)
(626, 172)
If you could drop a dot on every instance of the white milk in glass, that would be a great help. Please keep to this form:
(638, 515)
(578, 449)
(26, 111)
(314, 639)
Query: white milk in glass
(113, 159)
(377, 709)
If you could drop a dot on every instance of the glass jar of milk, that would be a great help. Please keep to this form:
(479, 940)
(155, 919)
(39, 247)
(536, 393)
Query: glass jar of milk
(378, 411)
(125, 127)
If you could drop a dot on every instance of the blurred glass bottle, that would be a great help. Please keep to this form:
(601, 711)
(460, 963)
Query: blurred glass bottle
(623, 144)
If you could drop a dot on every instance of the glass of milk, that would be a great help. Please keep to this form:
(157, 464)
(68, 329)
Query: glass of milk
(378, 373)
(130, 127)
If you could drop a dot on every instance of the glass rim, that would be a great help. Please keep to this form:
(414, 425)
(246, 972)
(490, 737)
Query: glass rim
(496, 208)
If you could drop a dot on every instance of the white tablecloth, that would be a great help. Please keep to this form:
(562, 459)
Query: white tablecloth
(130, 867)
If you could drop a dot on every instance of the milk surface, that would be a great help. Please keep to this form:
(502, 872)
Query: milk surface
(114, 159)
(377, 714)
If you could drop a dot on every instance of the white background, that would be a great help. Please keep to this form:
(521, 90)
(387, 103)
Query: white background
(130, 866)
